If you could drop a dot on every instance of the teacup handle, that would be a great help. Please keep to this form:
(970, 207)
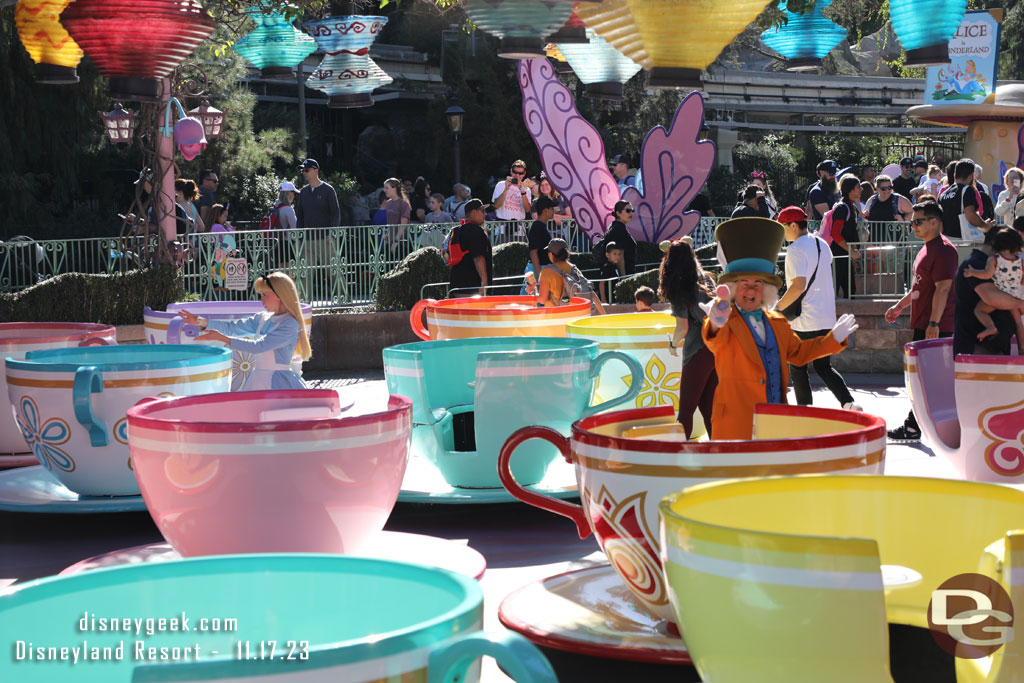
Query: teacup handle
(559, 507)
(89, 381)
(518, 657)
(416, 318)
(635, 385)
(174, 330)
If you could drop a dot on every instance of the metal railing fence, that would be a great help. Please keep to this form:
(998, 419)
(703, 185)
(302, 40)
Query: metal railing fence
(333, 267)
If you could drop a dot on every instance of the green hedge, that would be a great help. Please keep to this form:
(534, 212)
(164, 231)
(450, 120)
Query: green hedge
(116, 299)
(400, 289)
(626, 287)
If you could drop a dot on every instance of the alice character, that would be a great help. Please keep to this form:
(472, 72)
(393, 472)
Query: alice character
(273, 338)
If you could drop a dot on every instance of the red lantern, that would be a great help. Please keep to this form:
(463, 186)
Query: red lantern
(135, 43)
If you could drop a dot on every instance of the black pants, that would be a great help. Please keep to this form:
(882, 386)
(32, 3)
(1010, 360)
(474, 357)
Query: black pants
(911, 421)
(845, 279)
(697, 390)
(823, 366)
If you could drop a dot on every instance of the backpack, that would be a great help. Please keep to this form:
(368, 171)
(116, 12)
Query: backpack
(451, 248)
(825, 231)
(597, 254)
(272, 220)
(576, 285)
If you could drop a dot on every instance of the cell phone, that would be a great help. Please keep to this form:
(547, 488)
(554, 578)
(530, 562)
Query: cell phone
(191, 330)
(515, 181)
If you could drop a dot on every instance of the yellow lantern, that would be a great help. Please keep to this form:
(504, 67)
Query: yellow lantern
(55, 53)
(673, 52)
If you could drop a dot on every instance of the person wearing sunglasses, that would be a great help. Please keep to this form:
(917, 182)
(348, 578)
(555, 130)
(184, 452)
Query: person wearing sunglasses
(618, 233)
(886, 205)
(512, 196)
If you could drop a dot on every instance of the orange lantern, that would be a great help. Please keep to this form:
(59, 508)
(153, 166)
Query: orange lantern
(55, 53)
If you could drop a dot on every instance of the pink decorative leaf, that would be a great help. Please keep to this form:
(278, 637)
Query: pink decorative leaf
(571, 150)
(674, 166)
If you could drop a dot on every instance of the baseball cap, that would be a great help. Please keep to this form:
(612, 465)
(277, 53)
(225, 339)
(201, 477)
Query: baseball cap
(288, 186)
(310, 163)
(558, 246)
(473, 205)
(906, 161)
(620, 159)
(828, 165)
(920, 163)
(791, 214)
(542, 204)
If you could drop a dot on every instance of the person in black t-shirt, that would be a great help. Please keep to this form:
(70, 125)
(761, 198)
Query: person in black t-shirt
(537, 237)
(969, 291)
(474, 271)
(960, 199)
(701, 203)
(844, 231)
(905, 182)
(752, 203)
(618, 233)
(822, 194)
(613, 267)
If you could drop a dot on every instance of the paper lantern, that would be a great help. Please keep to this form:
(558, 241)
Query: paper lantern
(572, 31)
(347, 75)
(674, 40)
(136, 43)
(600, 67)
(275, 47)
(806, 38)
(558, 59)
(924, 28)
(49, 45)
(522, 25)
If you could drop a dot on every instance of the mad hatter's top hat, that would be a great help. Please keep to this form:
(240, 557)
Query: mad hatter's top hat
(750, 247)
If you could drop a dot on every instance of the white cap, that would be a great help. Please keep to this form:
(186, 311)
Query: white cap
(288, 186)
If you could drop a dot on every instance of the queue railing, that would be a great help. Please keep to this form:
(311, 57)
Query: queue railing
(333, 267)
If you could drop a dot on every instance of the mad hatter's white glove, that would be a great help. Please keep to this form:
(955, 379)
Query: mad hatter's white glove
(718, 309)
(845, 326)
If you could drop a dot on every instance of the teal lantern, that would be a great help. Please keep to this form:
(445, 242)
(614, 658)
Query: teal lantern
(806, 38)
(599, 66)
(275, 47)
(522, 25)
(925, 27)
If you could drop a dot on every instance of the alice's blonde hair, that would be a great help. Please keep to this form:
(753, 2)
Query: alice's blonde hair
(284, 287)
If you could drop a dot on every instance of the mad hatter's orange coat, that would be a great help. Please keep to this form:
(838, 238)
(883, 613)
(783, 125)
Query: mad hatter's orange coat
(741, 375)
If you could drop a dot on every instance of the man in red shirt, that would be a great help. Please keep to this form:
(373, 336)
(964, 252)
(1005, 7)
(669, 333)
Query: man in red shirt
(931, 303)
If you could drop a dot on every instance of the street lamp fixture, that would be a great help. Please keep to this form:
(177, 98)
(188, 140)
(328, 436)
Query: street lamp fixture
(119, 124)
(211, 117)
(454, 115)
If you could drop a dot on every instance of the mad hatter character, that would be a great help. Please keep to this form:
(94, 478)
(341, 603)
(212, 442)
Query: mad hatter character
(752, 344)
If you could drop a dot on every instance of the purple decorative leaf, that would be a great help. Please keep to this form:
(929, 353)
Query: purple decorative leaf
(571, 150)
(674, 166)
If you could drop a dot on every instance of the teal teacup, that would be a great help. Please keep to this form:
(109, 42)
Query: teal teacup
(259, 618)
(470, 395)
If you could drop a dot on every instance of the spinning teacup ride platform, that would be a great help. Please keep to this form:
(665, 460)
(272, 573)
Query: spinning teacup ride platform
(625, 463)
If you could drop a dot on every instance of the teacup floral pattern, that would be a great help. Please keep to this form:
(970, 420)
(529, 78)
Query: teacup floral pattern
(1001, 426)
(242, 365)
(44, 436)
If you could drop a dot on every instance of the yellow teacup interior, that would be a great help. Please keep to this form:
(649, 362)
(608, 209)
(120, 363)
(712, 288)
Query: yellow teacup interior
(796, 426)
(624, 324)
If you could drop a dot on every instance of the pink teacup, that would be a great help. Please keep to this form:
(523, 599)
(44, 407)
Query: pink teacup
(268, 471)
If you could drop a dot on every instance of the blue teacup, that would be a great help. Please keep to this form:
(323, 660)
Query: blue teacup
(470, 395)
(257, 618)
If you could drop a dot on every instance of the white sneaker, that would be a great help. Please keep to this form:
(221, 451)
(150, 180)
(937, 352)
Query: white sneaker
(852, 406)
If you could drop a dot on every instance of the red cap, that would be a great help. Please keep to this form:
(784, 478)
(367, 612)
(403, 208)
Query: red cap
(791, 214)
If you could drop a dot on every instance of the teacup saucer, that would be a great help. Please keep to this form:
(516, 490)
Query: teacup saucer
(388, 545)
(591, 612)
(33, 489)
(423, 483)
(9, 460)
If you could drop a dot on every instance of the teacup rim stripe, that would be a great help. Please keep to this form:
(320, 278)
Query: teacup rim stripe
(399, 371)
(476, 324)
(398, 408)
(330, 443)
(133, 360)
(994, 361)
(770, 549)
(495, 370)
(732, 471)
(663, 344)
(694, 458)
(112, 383)
(780, 576)
(870, 428)
(989, 376)
(389, 429)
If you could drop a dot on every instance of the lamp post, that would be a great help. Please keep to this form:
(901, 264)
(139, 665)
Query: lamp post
(454, 114)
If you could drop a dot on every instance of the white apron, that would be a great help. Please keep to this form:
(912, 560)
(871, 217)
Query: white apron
(264, 365)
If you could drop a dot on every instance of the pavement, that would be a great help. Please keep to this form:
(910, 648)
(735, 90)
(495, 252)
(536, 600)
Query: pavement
(520, 543)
